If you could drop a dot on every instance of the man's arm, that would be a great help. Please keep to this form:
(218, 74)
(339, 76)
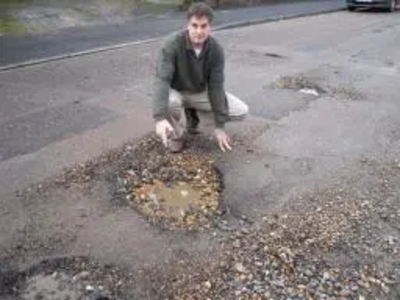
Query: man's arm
(216, 90)
(163, 77)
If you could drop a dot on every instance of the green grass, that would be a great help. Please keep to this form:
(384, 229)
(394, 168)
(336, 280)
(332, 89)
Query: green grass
(10, 26)
(13, 1)
(156, 7)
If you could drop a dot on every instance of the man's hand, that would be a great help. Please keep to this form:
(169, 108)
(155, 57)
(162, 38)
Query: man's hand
(222, 139)
(163, 129)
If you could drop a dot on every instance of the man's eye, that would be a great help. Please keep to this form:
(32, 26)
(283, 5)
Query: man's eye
(195, 25)
(203, 26)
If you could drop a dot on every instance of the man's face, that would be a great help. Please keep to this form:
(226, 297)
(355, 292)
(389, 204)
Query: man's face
(199, 29)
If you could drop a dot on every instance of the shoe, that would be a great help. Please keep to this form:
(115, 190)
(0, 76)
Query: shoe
(176, 145)
(192, 121)
(192, 130)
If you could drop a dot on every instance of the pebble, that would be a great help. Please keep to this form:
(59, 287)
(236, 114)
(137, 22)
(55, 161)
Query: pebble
(308, 273)
(81, 275)
(327, 275)
(240, 268)
(274, 261)
(89, 288)
(207, 285)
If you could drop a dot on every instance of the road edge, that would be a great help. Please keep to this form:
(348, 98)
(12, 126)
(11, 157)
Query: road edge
(147, 41)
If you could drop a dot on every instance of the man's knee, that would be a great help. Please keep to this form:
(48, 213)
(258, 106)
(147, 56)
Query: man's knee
(175, 99)
(243, 110)
(238, 110)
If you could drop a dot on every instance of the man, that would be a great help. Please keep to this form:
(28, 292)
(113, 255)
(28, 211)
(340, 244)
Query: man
(190, 77)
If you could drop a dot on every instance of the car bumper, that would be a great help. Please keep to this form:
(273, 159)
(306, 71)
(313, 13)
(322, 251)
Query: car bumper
(373, 4)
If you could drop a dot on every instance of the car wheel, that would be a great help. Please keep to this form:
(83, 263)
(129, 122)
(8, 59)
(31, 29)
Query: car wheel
(351, 8)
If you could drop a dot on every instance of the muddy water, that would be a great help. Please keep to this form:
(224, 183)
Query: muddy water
(55, 286)
(180, 196)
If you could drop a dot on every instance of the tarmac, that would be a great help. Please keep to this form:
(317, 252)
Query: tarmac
(293, 143)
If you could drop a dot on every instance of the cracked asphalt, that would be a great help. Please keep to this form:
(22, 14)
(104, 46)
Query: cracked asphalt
(340, 146)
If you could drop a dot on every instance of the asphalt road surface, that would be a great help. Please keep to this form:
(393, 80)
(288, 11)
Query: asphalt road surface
(339, 144)
(15, 50)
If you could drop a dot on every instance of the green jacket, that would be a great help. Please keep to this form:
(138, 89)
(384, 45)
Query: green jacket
(179, 68)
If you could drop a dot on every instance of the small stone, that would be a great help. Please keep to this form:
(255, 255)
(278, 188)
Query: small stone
(385, 289)
(314, 283)
(245, 231)
(344, 293)
(81, 275)
(131, 173)
(258, 263)
(207, 285)
(327, 275)
(390, 240)
(291, 292)
(363, 284)
(240, 268)
(236, 244)
(301, 287)
(207, 191)
(308, 273)
(89, 289)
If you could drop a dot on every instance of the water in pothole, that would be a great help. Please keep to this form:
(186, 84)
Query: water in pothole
(55, 286)
(180, 196)
(175, 199)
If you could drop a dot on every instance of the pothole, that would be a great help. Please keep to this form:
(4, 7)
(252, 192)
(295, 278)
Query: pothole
(275, 55)
(177, 191)
(299, 83)
(318, 85)
(69, 278)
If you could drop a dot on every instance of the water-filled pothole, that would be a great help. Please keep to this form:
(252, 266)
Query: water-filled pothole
(299, 82)
(67, 278)
(174, 190)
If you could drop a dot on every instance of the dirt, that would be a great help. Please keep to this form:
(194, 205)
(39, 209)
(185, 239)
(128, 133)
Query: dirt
(337, 243)
(70, 215)
(71, 278)
(176, 190)
(338, 85)
(328, 244)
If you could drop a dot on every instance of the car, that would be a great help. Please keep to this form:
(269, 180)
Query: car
(388, 5)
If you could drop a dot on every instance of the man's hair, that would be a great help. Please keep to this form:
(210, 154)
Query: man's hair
(199, 10)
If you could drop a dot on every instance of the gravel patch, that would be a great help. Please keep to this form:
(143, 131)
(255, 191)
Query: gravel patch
(321, 83)
(324, 244)
(176, 190)
(340, 242)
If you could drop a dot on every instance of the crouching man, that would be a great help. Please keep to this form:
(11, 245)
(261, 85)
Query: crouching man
(190, 78)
